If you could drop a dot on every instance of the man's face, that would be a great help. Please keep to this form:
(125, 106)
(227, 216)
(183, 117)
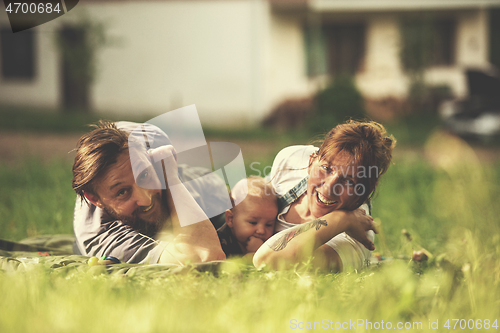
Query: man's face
(133, 201)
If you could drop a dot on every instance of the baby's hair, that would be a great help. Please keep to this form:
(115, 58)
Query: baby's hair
(253, 186)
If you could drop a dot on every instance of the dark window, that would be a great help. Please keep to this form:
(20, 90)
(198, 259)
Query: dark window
(443, 43)
(315, 51)
(75, 67)
(335, 49)
(346, 48)
(17, 54)
(427, 42)
(495, 37)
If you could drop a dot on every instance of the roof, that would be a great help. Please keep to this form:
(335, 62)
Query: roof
(384, 5)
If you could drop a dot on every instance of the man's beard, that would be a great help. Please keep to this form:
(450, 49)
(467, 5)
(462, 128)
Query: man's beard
(146, 227)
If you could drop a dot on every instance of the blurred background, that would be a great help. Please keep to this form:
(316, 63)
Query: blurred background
(264, 74)
(245, 62)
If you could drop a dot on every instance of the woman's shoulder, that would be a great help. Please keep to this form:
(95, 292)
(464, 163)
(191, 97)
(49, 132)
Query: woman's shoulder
(296, 156)
(290, 167)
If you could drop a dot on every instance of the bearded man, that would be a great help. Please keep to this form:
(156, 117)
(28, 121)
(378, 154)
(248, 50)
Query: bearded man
(124, 204)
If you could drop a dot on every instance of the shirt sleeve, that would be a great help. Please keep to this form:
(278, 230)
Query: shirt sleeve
(155, 136)
(290, 166)
(98, 235)
(352, 253)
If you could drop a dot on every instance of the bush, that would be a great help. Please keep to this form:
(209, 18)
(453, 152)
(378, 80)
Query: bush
(337, 103)
(427, 98)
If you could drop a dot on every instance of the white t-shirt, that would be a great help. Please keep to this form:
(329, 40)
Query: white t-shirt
(291, 166)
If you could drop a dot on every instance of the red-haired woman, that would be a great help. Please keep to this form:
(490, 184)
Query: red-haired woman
(324, 198)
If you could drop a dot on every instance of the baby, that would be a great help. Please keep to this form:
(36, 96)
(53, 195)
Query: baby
(251, 222)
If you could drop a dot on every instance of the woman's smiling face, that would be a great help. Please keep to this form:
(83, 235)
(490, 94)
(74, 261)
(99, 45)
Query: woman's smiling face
(332, 185)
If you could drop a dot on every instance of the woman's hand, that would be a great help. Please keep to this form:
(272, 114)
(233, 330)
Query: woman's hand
(296, 244)
(357, 224)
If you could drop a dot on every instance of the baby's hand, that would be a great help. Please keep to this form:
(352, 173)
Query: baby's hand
(253, 244)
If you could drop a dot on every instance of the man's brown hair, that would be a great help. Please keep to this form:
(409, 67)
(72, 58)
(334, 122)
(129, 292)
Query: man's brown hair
(96, 151)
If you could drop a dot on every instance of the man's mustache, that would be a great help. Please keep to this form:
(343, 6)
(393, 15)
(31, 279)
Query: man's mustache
(155, 200)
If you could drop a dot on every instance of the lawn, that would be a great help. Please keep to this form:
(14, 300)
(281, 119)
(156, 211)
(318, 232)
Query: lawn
(447, 200)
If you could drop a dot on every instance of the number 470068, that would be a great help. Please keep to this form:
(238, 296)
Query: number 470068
(32, 8)
(470, 324)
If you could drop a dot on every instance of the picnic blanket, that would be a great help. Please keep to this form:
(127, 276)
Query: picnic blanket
(54, 252)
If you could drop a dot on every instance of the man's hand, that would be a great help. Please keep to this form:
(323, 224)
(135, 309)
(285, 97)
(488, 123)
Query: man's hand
(195, 238)
(195, 243)
(201, 238)
(168, 157)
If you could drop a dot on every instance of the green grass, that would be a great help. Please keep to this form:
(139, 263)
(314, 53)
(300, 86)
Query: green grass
(408, 130)
(450, 210)
(413, 129)
(14, 118)
(36, 198)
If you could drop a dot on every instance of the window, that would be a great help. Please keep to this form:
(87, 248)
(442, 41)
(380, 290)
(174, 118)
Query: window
(346, 48)
(314, 41)
(17, 54)
(495, 36)
(443, 43)
(336, 49)
(427, 42)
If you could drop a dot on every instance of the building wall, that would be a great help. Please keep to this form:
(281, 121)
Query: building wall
(234, 59)
(286, 73)
(166, 55)
(43, 90)
(173, 54)
(471, 51)
(382, 75)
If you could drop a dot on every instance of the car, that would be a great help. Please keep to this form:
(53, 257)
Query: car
(478, 115)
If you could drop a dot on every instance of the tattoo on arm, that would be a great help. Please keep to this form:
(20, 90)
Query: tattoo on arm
(281, 242)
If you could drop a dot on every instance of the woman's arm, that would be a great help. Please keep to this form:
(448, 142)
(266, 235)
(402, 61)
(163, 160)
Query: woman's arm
(297, 244)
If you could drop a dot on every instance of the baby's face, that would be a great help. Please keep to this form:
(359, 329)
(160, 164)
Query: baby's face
(253, 217)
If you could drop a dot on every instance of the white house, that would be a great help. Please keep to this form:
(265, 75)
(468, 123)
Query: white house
(237, 59)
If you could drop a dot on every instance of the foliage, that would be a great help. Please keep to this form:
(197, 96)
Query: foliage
(340, 101)
(79, 45)
(82, 55)
(413, 129)
(424, 98)
(416, 44)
